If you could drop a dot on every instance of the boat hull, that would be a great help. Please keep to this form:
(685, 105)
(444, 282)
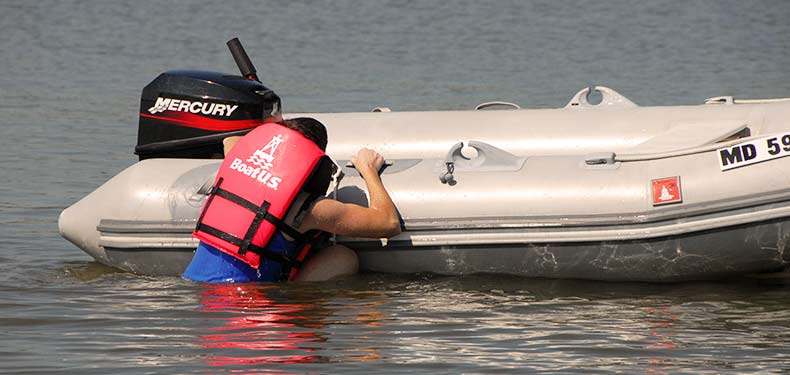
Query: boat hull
(149, 232)
(530, 200)
(715, 254)
(725, 252)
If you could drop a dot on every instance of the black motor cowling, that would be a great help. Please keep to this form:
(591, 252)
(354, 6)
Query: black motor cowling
(186, 114)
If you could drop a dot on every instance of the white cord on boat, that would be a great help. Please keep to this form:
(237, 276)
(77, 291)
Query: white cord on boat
(757, 101)
(732, 100)
(688, 151)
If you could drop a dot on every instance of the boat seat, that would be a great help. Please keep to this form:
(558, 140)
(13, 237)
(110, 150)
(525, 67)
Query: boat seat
(689, 135)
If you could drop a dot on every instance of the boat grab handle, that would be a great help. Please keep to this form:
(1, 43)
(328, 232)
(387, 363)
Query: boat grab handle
(488, 159)
(496, 103)
(611, 157)
(609, 99)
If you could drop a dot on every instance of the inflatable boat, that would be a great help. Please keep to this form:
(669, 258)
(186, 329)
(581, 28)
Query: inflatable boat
(604, 191)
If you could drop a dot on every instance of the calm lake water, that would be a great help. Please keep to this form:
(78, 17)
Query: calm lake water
(71, 73)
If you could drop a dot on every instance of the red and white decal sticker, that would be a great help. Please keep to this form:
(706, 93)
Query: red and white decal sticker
(666, 190)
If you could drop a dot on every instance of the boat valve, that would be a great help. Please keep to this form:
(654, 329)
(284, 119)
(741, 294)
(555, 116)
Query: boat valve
(447, 177)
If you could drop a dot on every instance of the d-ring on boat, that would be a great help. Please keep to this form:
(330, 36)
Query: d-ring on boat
(607, 191)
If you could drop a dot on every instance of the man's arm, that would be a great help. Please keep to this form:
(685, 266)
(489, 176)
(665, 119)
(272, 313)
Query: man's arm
(378, 220)
(229, 142)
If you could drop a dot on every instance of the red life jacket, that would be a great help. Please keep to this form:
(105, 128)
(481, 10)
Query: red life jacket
(254, 190)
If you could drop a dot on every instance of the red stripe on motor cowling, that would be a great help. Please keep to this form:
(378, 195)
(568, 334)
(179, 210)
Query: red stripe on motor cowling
(200, 122)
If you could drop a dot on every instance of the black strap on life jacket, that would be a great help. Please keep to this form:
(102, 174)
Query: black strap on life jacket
(261, 213)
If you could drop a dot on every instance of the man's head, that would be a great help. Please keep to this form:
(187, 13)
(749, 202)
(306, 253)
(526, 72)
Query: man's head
(311, 128)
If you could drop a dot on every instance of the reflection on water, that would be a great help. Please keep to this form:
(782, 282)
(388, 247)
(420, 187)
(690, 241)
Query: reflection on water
(127, 324)
(266, 324)
(266, 327)
(87, 271)
(493, 324)
(661, 323)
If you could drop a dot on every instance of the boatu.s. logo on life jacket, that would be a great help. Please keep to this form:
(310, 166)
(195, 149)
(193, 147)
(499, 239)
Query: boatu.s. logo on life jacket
(265, 159)
(262, 160)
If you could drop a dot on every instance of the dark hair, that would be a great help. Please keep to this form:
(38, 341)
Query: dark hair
(309, 127)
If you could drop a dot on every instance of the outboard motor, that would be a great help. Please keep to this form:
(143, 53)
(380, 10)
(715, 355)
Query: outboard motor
(187, 114)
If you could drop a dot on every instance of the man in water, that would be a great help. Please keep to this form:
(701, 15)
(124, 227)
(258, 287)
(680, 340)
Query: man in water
(378, 220)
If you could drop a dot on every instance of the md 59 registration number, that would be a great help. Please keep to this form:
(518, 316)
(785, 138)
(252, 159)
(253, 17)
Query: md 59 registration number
(754, 151)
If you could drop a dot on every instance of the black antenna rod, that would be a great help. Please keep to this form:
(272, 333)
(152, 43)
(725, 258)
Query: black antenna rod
(242, 60)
